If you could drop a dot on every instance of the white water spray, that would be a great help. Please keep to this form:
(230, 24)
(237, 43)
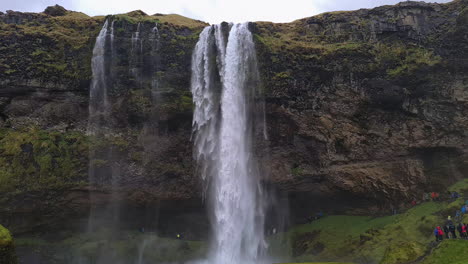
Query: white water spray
(224, 79)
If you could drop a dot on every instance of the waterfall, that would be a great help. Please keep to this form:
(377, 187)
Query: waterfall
(155, 46)
(224, 80)
(136, 55)
(206, 94)
(99, 126)
(98, 100)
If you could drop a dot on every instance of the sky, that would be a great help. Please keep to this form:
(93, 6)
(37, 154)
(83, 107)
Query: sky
(212, 11)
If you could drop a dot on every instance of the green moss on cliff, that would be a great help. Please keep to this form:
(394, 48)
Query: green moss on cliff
(5, 237)
(54, 49)
(403, 252)
(7, 251)
(139, 16)
(402, 60)
(34, 159)
(58, 49)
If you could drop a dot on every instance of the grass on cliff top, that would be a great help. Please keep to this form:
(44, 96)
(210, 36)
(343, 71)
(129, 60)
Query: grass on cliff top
(173, 19)
(5, 237)
(180, 21)
(449, 251)
(74, 29)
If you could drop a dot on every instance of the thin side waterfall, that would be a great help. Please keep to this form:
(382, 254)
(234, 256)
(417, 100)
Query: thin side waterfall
(155, 46)
(224, 86)
(112, 38)
(99, 125)
(136, 55)
(98, 100)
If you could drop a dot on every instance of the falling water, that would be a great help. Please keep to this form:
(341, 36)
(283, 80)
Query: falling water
(155, 46)
(224, 79)
(99, 126)
(136, 55)
(136, 38)
(99, 102)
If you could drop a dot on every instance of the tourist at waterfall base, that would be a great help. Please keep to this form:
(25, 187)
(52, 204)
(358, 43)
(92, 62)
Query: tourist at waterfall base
(464, 234)
(460, 229)
(439, 233)
(446, 231)
(452, 231)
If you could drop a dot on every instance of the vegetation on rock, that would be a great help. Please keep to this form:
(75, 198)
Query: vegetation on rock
(7, 250)
(449, 251)
(33, 159)
(396, 239)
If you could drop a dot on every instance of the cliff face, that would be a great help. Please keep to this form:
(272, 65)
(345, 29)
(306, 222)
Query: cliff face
(364, 108)
(369, 106)
(44, 91)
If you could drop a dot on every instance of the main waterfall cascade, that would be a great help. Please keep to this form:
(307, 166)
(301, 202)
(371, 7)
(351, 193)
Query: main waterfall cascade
(224, 86)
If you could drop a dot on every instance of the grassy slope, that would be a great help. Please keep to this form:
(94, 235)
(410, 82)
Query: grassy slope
(388, 240)
(450, 251)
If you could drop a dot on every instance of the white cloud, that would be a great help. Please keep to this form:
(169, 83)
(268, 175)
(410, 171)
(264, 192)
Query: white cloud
(213, 11)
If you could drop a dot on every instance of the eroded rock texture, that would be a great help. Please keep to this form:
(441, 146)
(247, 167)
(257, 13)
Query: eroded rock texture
(365, 109)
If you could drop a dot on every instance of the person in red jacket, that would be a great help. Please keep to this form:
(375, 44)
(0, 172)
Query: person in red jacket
(464, 234)
(441, 233)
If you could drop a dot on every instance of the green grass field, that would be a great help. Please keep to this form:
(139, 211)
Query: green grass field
(401, 238)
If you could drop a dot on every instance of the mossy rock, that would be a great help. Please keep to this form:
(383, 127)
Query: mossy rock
(404, 252)
(35, 159)
(7, 250)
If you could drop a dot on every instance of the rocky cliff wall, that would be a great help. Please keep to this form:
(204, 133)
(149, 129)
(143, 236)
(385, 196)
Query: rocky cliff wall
(369, 106)
(365, 109)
